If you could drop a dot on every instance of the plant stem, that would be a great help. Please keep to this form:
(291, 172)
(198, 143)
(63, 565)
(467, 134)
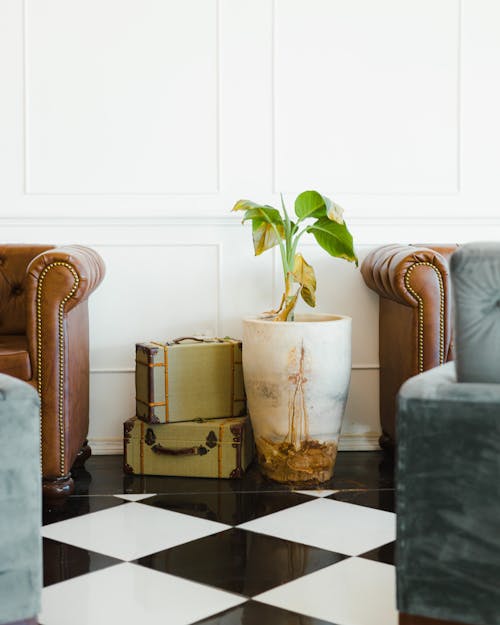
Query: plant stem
(296, 241)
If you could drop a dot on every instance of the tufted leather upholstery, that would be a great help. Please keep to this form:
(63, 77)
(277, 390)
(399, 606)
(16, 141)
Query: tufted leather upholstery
(14, 356)
(44, 340)
(415, 323)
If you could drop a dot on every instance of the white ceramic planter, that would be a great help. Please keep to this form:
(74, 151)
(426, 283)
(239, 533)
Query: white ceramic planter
(297, 378)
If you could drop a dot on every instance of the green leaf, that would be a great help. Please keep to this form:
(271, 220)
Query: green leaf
(303, 273)
(335, 238)
(311, 204)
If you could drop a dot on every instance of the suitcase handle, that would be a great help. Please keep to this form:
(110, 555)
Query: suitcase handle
(185, 451)
(194, 338)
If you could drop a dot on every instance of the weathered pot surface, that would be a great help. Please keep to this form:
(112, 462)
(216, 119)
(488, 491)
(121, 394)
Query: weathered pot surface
(297, 378)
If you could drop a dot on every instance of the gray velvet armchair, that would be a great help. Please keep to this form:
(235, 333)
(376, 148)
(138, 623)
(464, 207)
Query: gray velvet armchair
(20, 502)
(448, 469)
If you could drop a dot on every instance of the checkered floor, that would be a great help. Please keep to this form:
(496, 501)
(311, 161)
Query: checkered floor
(241, 554)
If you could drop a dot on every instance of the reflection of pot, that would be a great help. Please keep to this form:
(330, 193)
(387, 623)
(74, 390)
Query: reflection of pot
(284, 560)
(297, 379)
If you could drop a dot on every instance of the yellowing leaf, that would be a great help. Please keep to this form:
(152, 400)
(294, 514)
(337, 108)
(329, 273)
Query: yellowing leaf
(267, 225)
(334, 212)
(264, 235)
(243, 205)
(287, 308)
(303, 273)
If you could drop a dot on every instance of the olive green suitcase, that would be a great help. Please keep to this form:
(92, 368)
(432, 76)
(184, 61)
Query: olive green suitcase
(203, 448)
(189, 378)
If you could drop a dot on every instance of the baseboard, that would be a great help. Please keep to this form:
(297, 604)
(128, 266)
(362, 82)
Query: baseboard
(359, 442)
(348, 442)
(106, 446)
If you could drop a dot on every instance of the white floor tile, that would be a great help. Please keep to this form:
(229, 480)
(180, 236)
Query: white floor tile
(328, 524)
(316, 493)
(131, 531)
(352, 592)
(129, 594)
(133, 497)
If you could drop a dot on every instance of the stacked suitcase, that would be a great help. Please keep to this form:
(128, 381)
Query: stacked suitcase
(190, 410)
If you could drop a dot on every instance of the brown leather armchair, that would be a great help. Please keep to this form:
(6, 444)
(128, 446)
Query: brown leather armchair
(44, 340)
(415, 326)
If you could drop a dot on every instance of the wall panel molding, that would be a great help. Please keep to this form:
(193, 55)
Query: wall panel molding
(293, 18)
(159, 280)
(49, 146)
(129, 370)
(243, 58)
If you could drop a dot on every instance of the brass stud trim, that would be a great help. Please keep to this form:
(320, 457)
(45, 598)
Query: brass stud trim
(60, 411)
(421, 312)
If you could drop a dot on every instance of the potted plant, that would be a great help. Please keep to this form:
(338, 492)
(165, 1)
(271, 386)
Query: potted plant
(297, 367)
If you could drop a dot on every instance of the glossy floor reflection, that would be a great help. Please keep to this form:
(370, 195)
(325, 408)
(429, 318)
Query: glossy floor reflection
(134, 549)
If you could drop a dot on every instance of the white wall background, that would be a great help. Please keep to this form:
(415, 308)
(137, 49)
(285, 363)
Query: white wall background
(134, 125)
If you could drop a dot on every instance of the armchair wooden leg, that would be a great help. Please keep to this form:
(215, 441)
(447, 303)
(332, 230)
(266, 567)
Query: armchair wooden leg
(83, 455)
(58, 487)
(386, 443)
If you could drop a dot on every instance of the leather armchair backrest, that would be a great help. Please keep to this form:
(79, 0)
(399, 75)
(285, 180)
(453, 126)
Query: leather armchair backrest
(14, 260)
(446, 250)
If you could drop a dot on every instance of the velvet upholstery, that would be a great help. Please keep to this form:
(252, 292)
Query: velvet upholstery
(476, 285)
(448, 466)
(20, 501)
(448, 496)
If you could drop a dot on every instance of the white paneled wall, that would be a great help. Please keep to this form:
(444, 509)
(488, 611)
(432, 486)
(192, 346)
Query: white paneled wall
(356, 78)
(134, 125)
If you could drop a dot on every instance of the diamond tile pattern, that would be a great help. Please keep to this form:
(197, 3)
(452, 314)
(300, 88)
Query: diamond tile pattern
(327, 524)
(234, 508)
(131, 530)
(213, 552)
(233, 560)
(329, 594)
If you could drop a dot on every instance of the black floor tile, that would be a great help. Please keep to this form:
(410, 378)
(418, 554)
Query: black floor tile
(252, 481)
(229, 508)
(70, 507)
(362, 470)
(255, 613)
(353, 470)
(385, 553)
(242, 562)
(62, 561)
(380, 499)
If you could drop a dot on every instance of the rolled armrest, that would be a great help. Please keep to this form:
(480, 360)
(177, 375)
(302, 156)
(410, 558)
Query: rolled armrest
(415, 316)
(58, 283)
(405, 273)
(77, 272)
